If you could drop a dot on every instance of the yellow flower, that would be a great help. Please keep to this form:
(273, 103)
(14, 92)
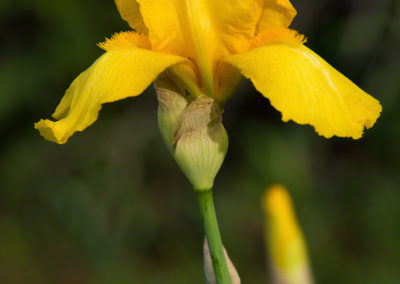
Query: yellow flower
(205, 46)
(284, 239)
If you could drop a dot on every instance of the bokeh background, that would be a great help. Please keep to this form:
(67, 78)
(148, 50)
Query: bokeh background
(111, 205)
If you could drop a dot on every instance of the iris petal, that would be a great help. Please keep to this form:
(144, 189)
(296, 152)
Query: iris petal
(307, 90)
(130, 12)
(222, 26)
(123, 71)
(276, 13)
(203, 30)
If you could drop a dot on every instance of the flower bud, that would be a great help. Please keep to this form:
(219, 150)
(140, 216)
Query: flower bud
(193, 131)
(172, 101)
(284, 239)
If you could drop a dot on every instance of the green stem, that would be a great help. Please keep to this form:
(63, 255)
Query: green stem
(206, 204)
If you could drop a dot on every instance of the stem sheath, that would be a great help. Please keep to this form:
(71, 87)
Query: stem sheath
(215, 246)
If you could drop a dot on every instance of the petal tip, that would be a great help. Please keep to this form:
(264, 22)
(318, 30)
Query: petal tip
(49, 130)
(369, 120)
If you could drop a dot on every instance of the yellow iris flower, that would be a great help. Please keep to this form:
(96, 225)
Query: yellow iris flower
(205, 46)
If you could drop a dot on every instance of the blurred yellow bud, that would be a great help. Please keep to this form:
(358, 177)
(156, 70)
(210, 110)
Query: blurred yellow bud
(284, 239)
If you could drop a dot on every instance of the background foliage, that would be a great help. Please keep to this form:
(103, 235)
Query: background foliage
(111, 206)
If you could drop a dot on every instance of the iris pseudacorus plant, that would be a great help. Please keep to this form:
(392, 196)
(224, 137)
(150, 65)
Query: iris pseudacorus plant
(196, 52)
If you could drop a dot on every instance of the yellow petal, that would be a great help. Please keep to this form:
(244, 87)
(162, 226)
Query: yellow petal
(233, 22)
(173, 23)
(306, 89)
(276, 13)
(125, 70)
(284, 239)
(202, 30)
(130, 12)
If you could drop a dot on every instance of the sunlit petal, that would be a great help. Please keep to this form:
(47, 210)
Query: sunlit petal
(204, 31)
(125, 70)
(306, 89)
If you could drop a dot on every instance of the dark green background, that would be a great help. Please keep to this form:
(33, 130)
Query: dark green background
(111, 206)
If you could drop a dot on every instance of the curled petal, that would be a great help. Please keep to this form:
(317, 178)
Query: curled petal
(212, 27)
(306, 89)
(203, 30)
(125, 70)
(130, 12)
(276, 13)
